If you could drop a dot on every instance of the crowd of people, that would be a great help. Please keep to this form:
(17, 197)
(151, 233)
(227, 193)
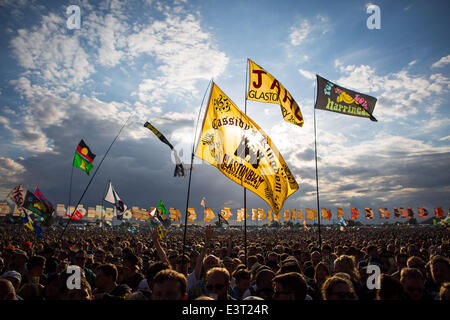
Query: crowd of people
(215, 264)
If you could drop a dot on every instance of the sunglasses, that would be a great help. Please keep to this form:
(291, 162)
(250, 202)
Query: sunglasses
(217, 286)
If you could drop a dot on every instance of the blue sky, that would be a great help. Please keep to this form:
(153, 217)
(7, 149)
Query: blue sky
(154, 59)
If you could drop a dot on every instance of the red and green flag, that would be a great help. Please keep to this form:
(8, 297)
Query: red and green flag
(83, 157)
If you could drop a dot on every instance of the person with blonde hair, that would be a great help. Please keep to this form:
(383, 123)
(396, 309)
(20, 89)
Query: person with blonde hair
(338, 288)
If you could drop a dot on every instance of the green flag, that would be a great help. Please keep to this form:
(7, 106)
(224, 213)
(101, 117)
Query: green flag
(83, 157)
(161, 208)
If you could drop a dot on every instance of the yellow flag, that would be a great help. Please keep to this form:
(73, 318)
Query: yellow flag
(287, 215)
(269, 215)
(293, 213)
(261, 214)
(277, 216)
(243, 152)
(340, 213)
(174, 214)
(226, 213)
(209, 215)
(263, 87)
(191, 215)
(299, 214)
(311, 214)
(254, 214)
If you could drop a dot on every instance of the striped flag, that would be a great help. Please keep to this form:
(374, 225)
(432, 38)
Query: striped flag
(17, 195)
(39, 194)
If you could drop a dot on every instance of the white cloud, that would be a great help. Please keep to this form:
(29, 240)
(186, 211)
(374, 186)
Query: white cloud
(299, 32)
(303, 30)
(442, 62)
(412, 63)
(185, 52)
(307, 74)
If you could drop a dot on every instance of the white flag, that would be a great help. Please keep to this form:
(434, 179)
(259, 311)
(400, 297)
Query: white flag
(113, 198)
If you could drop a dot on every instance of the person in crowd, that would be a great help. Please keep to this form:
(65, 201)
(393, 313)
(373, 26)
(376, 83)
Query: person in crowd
(169, 285)
(289, 286)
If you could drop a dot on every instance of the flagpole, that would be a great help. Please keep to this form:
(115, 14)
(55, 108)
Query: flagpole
(190, 173)
(245, 155)
(92, 178)
(317, 175)
(70, 189)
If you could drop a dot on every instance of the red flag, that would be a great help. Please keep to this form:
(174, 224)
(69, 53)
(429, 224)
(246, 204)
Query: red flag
(355, 213)
(439, 213)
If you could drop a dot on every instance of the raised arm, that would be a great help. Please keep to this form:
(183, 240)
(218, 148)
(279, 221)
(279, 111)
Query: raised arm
(161, 253)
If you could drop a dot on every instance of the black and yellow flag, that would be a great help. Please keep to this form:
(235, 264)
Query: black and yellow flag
(338, 99)
(242, 151)
(263, 87)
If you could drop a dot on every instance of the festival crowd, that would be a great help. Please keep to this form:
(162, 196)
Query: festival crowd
(414, 264)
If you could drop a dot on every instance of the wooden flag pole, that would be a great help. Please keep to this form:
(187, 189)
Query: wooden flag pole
(92, 178)
(317, 175)
(190, 175)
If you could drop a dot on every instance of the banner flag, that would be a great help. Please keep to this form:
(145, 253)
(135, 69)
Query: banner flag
(338, 99)
(355, 213)
(299, 214)
(83, 157)
(240, 149)
(396, 212)
(369, 213)
(340, 213)
(263, 87)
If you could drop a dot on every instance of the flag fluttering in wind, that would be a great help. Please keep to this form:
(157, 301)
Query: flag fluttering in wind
(342, 224)
(439, 213)
(174, 214)
(340, 213)
(299, 214)
(382, 212)
(355, 213)
(226, 213)
(369, 213)
(78, 214)
(222, 218)
(286, 215)
(263, 87)
(203, 202)
(410, 212)
(261, 214)
(425, 211)
(403, 212)
(338, 99)
(34, 204)
(208, 215)
(17, 195)
(113, 198)
(39, 194)
(269, 215)
(191, 215)
(179, 169)
(161, 215)
(326, 213)
(31, 225)
(243, 152)
(304, 224)
(83, 157)
(396, 212)
(254, 214)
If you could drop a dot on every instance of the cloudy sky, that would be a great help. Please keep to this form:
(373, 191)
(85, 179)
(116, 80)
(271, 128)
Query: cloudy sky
(153, 60)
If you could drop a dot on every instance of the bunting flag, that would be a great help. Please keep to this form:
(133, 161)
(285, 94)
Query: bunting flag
(355, 213)
(286, 215)
(439, 213)
(83, 157)
(403, 212)
(17, 195)
(48, 204)
(425, 212)
(299, 214)
(113, 198)
(269, 215)
(410, 212)
(369, 213)
(338, 99)
(174, 214)
(263, 87)
(208, 215)
(340, 213)
(261, 214)
(419, 212)
(4, 209)
(254, 214)
(226, 213)
(239, 148)
(293, 213)
(179, 169)
(191, 215)
(326, 214)
(277, 216)
(77, 214)
(35, 205)
(396, 212)
(387, 215)
(382, 213)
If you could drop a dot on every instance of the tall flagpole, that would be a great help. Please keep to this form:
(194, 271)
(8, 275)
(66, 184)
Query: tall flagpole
(317, 175)
(92, 178)
(190, 173)
(245, 190)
